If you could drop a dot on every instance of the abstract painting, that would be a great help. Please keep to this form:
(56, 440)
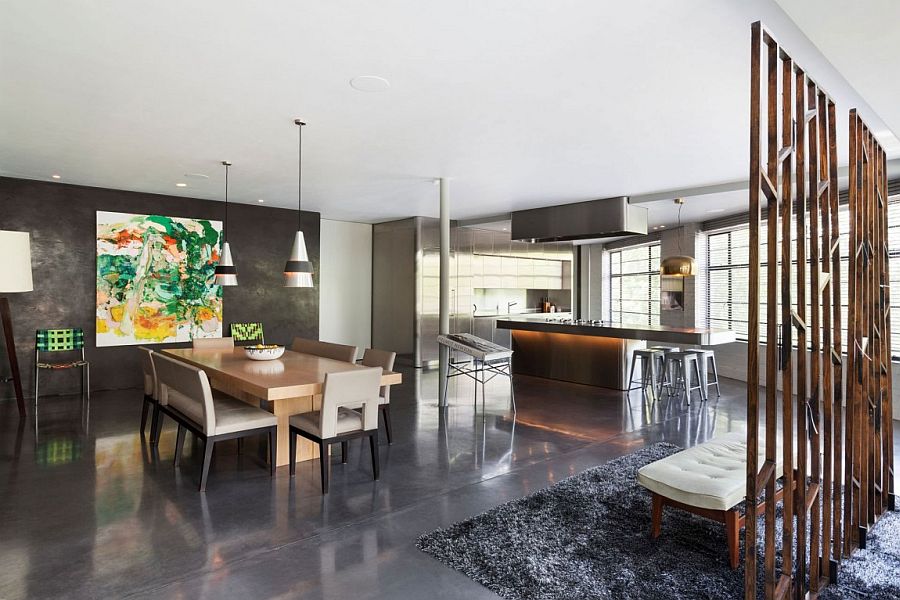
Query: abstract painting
(155, 279)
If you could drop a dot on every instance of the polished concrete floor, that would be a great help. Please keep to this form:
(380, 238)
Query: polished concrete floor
(89, 511)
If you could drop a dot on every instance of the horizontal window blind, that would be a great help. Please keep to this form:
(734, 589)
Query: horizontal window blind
(728, 275)
(634, 285)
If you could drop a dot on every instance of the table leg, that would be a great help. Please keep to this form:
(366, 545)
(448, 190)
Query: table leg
(283, 409)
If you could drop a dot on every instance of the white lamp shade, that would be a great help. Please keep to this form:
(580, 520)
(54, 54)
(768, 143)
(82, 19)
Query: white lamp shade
(298, 269)
(226, 274)
(15, 261)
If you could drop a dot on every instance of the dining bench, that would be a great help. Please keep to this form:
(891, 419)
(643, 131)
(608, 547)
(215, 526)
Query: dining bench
(709, 479)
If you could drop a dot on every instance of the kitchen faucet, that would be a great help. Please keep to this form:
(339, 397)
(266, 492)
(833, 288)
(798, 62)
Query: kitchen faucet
(509, 305)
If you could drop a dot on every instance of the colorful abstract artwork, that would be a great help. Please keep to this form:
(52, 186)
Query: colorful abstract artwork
(155, 279)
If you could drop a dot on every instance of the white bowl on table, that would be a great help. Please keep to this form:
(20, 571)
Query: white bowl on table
(267, 352)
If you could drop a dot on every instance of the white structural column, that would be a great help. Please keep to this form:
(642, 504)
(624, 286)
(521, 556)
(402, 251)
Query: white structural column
(444, 307)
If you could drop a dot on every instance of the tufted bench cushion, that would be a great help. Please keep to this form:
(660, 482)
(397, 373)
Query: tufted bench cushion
(708, 480)
(711, 475)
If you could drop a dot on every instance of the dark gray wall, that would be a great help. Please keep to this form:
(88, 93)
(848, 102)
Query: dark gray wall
(62, 221)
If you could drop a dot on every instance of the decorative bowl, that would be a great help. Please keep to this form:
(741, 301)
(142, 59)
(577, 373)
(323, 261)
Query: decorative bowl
(264, 352)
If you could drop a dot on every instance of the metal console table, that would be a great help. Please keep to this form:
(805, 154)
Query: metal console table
(489, 360)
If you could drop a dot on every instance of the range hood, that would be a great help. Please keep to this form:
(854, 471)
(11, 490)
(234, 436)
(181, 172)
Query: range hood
(594, 219)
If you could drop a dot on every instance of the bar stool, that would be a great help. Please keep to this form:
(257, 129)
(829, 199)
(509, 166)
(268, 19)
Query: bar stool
(649, 377)
(683, 365)
(707, 359)
(664, 378)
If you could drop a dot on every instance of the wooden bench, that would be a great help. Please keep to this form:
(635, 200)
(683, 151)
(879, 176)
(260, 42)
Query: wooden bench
(709, 480)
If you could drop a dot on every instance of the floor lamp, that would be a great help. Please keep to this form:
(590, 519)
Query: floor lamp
(15, 276)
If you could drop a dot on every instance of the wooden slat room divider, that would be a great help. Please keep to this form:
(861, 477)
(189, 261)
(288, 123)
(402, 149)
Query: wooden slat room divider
(793, 168)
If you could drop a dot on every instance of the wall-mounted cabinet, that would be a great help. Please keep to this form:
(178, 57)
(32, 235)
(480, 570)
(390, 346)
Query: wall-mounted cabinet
(507, 272)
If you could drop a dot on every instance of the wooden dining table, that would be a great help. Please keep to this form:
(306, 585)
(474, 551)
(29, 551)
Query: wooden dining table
(284, 386)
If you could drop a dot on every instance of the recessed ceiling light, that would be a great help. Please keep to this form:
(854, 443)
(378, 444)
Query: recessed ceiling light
(716, 210)
(662, 226)
(196, 176)
(260, 200)
(370, 83)
(180, 184)
(55, 176)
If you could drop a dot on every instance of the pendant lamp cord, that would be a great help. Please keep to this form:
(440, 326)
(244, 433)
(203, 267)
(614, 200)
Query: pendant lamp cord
(680, 232)
(299, 174)
(225, 224)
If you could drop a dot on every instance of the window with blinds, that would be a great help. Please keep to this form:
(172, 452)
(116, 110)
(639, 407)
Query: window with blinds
(634, 285)
(728, 275)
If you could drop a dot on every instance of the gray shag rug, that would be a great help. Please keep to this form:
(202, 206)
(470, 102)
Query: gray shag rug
(587, 537)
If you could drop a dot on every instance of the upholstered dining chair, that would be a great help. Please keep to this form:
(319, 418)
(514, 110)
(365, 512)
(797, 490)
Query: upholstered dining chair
(186, 396)
(248, 332)
(223, 343)
(151, 397)
(71, 343)
(349, 411)
(325, 349)
(385, 360)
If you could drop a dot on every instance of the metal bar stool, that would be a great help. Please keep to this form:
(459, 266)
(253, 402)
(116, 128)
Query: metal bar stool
(649, 376)
(684, 364)
(707, 360)
(664, 375)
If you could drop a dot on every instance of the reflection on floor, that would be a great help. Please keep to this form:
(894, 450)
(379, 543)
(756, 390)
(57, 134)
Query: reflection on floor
(88, 510)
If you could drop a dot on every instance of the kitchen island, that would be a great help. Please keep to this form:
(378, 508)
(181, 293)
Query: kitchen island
(593, 352)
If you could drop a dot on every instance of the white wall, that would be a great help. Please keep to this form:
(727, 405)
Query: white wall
(345, 293)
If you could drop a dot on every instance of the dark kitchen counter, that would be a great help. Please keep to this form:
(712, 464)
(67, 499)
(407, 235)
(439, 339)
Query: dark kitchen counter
(669, 335)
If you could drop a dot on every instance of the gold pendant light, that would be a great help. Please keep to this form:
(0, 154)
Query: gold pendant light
(678, 266)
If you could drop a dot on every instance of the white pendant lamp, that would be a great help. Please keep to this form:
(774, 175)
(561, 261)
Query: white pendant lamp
(226, 273)
(298, 269)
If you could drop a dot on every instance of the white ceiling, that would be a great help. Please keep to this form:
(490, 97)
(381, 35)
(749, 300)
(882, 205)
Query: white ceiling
(522, 103)
(862, 41)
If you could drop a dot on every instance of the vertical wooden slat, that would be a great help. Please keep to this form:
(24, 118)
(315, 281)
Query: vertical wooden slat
(753, 316)
(801, 326)
(827, 396)
(771, 419)
(850, 471)
(887, 353)
(787, 331)
(836, 334)
(812, 405)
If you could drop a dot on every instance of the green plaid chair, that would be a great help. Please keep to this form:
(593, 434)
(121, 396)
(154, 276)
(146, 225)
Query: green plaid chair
(70, 341)
(248, 332)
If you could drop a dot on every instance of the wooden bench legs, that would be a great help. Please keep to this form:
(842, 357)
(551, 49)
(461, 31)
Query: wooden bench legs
(732, 519)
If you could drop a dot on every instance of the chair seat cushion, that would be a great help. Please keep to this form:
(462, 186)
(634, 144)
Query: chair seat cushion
(62, 365)
(711, 475)
(231, 414)
(234, 415)
(348, 420)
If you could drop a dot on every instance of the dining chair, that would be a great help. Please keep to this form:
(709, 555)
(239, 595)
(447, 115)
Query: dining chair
(385, 360)
(69, 341)
(186, 396)
(222, 343)
(248, 332)
(338, 421)
(325, 349)
(151, 396)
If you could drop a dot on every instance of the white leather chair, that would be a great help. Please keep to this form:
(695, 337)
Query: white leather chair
(186, 396)
(349, 410)
(325, 349)
(223, 343)
(385, 360)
